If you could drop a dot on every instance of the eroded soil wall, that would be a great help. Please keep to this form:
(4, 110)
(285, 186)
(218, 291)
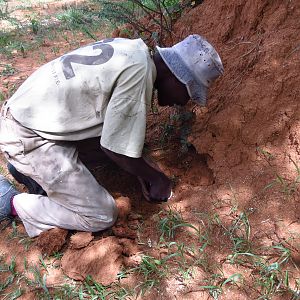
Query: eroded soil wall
(254, 108)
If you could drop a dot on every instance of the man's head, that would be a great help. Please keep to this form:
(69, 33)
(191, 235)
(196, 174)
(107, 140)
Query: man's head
(186, 70)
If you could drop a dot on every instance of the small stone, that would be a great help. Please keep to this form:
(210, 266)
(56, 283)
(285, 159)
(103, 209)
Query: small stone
(134, 225)
(134, 216)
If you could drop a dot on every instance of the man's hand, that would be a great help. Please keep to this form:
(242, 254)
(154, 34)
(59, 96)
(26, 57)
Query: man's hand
(157, 184)
(161, 188)
(158, 191)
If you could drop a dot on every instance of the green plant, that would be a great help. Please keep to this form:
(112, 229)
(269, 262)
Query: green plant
(11, 269)
(5, 13)
(13, 295)
(5, 39)
(239, 234)
(11, 90)
(213, 286)
(8, 70)
(152, 270)
(167, 130)
(14, 232)
(184, 257)
(57, 255)
(96, 290)
(2, 98)
(10, 42)
(43, 263)
(55, 50)
(216, 283)
(35, 25)
(271, 279)
(170, 221)
(69, 291)
(269, 274)
(151, 19)
(3, 9)
(178, 126)
(288, 186)
(73, 17)
(183, 118)
(42, 57)
(80, 19)
(122, 293)
(266, 154)
(38, 281)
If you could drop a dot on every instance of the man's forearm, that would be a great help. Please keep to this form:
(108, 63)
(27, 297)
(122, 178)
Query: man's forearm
(159, 185)
(136, 166)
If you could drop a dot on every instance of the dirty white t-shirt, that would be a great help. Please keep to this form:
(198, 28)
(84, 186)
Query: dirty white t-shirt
(103, 89)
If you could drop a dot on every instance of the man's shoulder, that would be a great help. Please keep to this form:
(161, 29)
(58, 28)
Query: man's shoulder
(132, 49)
(119, 45)
(130, 44)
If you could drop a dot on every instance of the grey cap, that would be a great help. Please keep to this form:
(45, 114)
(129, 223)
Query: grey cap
(195, 63)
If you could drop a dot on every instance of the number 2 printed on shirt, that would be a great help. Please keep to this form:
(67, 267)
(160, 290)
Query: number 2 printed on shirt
(103, 57)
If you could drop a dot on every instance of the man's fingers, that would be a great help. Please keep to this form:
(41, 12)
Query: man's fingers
(145, 190)
(146, 193)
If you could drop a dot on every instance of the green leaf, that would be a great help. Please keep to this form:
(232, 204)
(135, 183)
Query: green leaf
(233, 278)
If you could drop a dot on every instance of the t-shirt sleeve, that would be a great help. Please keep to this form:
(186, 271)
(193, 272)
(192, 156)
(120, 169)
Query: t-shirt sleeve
(124, 125)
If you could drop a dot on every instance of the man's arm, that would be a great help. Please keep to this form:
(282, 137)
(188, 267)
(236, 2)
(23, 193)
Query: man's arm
(159, 184)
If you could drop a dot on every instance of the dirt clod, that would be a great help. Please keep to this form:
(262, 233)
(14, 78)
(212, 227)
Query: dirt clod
(122, 230)
(51, 241)
(124, 207)
(101, 259)
(134, 216)
(130, 248)
(132, 261)
(127, 222)
(80, 240)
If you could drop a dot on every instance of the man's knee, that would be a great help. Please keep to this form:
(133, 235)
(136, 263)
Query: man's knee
(101, 222)
(112, 216)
